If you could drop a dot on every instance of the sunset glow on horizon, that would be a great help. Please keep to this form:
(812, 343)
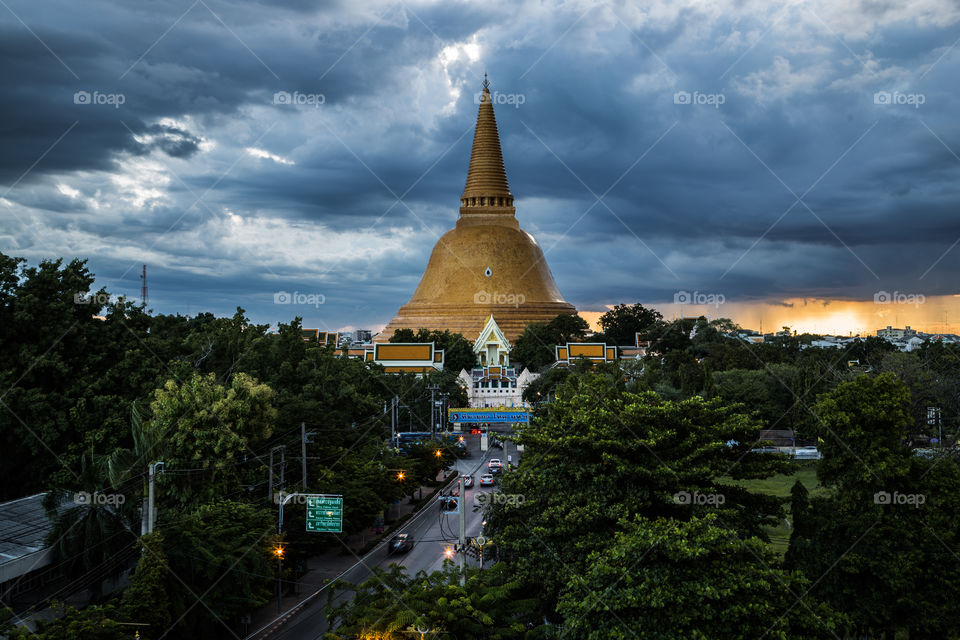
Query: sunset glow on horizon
(934, 314)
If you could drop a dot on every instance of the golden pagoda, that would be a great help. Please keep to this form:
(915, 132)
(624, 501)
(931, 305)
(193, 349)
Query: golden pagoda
(486, 265)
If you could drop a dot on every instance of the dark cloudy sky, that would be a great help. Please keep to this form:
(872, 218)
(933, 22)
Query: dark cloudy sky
(760, 151)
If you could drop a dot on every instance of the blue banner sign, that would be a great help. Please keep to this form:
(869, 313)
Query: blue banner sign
(493, 416)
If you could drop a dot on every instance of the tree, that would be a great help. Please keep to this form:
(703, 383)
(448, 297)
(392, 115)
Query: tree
(221, 550)
(94, 524)
(534, 348)
(391, 604)
(208, 429)
(91, 623)
(145, 600)
(880, 543)
(70, 362)
(621, 324)
(568, 327)
(771, 393)
(666, 578)
(602, 455)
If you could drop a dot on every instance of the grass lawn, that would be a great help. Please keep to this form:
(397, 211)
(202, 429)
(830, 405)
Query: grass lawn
(780, 485)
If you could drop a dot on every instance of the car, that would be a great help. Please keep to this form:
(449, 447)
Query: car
(486, 480)
(468, 482)
(495, 464)
(401, 543)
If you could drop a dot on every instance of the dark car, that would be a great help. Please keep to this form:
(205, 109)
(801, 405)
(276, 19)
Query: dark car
(468, 482)
(401, 543)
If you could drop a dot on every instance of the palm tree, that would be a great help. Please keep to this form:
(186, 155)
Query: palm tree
(93, 525)
(124, 464)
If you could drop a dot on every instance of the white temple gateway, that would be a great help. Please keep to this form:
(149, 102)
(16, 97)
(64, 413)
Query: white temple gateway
(493, 382)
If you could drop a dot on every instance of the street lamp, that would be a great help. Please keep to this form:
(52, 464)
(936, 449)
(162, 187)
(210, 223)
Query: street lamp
(278, 551)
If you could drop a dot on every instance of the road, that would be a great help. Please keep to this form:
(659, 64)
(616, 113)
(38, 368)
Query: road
(433, 531)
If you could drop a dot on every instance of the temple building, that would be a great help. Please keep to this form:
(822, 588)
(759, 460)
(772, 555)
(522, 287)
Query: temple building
(487, 266)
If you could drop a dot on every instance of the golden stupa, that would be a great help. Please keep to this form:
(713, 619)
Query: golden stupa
(487, 264)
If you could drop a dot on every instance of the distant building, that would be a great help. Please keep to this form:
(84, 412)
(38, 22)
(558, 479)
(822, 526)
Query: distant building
(363, 336)
(777, 437)
(326, 338)
(892, 333)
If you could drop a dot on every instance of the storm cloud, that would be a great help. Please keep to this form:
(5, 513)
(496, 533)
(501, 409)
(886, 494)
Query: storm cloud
(245, 148)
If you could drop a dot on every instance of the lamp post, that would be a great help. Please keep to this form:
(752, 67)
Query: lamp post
(278, 551)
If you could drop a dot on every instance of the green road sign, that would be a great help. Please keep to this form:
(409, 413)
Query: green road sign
(325, 514)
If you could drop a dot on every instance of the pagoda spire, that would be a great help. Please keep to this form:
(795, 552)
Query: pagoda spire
(487, 191)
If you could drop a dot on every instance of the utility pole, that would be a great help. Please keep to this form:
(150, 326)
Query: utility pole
(463, 529)
(433, 409)
(303, 454)
(151, 509)
(282, 449)
(393, 421)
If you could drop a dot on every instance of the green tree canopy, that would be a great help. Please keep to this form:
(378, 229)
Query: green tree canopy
(668, 578)
(208, 429)
(621, 324)
(880, 544)
(393, 605)
(600, 455)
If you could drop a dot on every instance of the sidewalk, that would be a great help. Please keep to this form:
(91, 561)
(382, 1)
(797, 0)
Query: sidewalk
(325, 568)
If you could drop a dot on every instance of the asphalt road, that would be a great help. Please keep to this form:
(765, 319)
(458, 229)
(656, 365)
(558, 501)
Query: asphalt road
(433, 531)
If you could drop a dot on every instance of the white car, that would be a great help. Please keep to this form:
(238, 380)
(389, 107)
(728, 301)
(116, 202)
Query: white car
(495, 464)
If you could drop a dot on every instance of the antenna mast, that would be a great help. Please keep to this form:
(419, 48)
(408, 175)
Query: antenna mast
(143, 288)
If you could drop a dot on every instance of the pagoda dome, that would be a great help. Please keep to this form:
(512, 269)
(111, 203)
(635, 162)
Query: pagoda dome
(486, 265)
